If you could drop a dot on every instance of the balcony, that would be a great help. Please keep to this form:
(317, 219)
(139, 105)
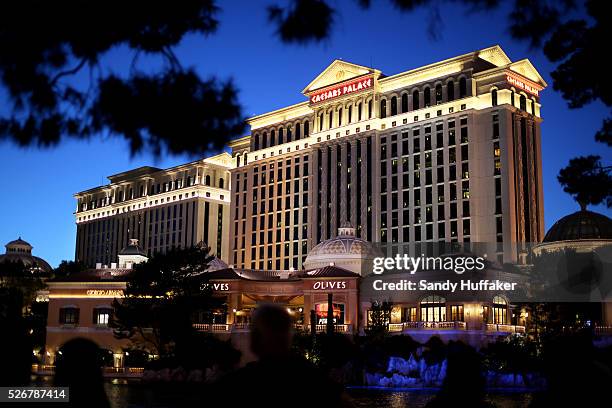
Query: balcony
(338, 328)
(109, 372)
(505, 328)
(244, 327)
(400, 327)
(212, 327)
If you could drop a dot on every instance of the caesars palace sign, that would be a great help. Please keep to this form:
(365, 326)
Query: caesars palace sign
(343, 89)
(523, 84)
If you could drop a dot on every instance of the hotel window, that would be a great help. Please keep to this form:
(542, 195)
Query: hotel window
(350, 113)
(298, 131)
(383, 108)
(427, 97)
(320, 122)
(465, 188)
(466, 227)
(433, 309)
(438, 94)
(394, 106)
(523, 103)
(450, 91)
(453, 225)
(273, 137)
(340, 112)
(494, 97)
(415, 99)
(457, 313)
(69, 315)
(370, 109)
(101, 316)
(306, 128)
(464, 135)
(359, 111)
(466, 208)
(462, 87)
(495, 126)
(331, 119)
(500, 310)
(410, 314)
(405, 103)
(533, 102)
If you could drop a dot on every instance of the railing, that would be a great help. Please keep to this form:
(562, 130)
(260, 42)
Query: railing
(237, 327)
(124, 371)
(43, 368)
(48, 369)
(338, 328)
(454, 325)
(505, 328)
(603, 330)
(214, 327)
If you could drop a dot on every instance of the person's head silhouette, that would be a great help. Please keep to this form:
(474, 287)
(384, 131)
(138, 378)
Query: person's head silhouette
(271, 332)
(79, 368)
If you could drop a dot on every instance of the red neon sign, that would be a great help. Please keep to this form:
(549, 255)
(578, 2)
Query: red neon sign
(346, 88)
(524, 84)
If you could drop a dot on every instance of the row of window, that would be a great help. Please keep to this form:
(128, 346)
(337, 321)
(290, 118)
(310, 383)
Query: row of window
(438, 98)
(152, 189)
(434, 308)
(70, 315)
(279, 135)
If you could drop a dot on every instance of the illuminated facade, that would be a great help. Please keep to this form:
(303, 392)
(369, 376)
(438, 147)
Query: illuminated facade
(81, 305)
(171, 208)
(449, 152)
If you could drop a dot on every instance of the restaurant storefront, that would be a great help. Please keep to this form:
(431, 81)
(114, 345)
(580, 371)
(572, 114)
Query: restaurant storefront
(299, 292)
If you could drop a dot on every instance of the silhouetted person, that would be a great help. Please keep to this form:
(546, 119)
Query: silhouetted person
(79, 368)
(278, 378)
(464, 384)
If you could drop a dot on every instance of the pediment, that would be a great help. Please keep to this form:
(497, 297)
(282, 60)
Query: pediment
(525, 68)
(338, 71)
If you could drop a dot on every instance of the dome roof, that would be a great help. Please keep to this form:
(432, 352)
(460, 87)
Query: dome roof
(17, 243)
(216, 264)
(133, 248)
(19, 250)
(581, 225)
(343, 244)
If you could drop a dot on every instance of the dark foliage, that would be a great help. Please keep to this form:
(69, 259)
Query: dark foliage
(45, 46)
(163, 296)
(587, 181)
(303, 21)
(68, 268)
(512, 354)
(23, 325)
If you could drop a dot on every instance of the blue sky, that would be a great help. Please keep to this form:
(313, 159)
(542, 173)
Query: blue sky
(37, 203)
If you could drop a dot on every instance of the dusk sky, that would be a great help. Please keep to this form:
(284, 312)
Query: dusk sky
(37, 195)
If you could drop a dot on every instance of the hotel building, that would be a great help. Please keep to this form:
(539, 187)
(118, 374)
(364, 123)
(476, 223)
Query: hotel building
(170, 208)
(448, 152)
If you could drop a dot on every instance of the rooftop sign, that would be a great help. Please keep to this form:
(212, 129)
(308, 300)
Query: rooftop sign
(524, 84)
(342, 89)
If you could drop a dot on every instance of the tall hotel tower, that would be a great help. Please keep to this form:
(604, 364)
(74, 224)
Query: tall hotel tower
(447, 152)
(164, 209)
